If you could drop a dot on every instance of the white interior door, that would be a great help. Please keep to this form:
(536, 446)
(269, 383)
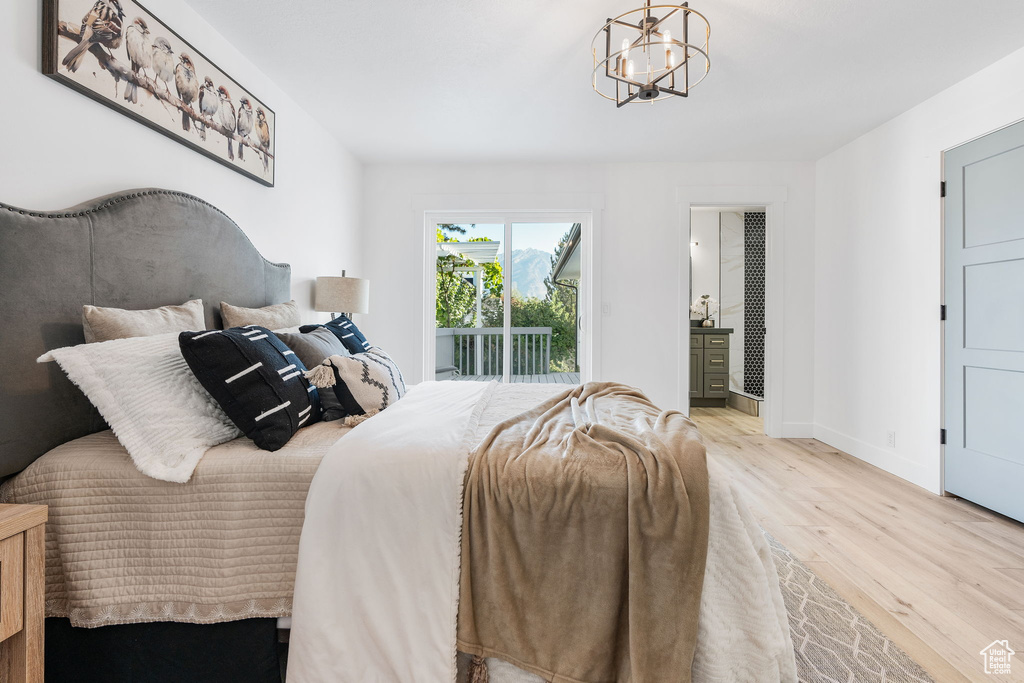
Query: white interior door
(984, 329)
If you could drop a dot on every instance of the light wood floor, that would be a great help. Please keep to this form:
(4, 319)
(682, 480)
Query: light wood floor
(941, 577)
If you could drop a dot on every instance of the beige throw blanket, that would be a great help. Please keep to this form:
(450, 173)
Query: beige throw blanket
(585, 534)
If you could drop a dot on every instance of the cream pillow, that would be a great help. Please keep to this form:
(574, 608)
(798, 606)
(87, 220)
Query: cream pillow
(364, 383)
(156, 407)
(273, 317)
(103, 324)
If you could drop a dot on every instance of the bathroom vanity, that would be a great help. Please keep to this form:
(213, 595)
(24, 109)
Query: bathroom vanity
(709, 366)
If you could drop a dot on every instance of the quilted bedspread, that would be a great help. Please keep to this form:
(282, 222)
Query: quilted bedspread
(123, 548)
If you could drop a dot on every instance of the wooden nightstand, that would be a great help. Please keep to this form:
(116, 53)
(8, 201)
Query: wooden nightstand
(22, 592)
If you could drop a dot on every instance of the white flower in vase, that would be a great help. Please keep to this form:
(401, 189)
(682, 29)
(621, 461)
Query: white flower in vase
(704, 306)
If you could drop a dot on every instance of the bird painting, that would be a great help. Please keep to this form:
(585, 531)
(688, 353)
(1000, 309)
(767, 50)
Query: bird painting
(188, 86)
(244, 124)
(263, 133)
(89, 44)
(140, 54)
(163, 62)
(227, 116)
(101, 26)
(209, 102)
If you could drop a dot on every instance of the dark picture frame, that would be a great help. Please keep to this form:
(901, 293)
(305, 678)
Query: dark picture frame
(147, 92)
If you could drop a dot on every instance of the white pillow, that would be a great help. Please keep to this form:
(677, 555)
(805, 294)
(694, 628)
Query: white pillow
(154, 404)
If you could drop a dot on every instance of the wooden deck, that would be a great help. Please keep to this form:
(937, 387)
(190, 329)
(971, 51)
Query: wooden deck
(551, 378)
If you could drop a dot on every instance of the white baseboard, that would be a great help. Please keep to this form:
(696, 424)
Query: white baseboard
(797, 430)
(890, 461)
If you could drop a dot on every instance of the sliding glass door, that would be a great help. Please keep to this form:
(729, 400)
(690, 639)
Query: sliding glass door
(469, 304)
(508, 298)
(543, 315)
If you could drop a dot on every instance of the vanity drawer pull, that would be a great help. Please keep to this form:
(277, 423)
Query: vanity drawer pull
(717, 360)
(720, 341)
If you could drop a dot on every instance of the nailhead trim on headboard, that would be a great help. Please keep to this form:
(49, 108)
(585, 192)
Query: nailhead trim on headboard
(117, 199)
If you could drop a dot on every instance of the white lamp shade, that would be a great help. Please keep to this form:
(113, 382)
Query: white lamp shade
(342, 295)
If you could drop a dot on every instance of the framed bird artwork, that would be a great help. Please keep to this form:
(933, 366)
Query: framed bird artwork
(117, 53)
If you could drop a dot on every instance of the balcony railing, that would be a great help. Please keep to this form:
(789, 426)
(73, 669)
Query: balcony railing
(478, 350)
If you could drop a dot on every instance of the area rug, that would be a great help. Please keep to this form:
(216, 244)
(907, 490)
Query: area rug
(833, 642)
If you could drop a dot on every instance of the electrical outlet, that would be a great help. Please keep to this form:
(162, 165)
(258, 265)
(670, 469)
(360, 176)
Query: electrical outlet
(890, 439)
(606, 309)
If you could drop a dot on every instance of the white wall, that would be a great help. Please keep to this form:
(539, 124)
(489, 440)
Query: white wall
(878, 273)
(60, 148)
(641, 268)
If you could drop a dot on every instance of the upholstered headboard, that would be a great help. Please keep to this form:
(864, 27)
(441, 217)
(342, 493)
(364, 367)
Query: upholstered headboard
(136, 249)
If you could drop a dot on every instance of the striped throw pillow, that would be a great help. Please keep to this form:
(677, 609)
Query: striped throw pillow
(258, 381)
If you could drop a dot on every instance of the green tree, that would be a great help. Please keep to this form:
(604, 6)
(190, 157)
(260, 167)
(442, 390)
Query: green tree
(455, 302)
(556, 310)
(451, 227)
(563, 300)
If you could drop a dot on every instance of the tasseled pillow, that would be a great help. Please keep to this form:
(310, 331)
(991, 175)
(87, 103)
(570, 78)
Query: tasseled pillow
(364, 383)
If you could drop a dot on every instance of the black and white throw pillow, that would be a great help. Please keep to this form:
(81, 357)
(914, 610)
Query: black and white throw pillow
(345, 330)
(258, 381)
(364, 383)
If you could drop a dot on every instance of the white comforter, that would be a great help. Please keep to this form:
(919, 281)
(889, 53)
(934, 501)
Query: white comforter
(376, 592)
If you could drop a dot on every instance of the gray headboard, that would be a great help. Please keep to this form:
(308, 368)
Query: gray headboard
(136, 249)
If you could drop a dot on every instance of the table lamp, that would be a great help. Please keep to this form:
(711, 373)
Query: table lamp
(343, 294)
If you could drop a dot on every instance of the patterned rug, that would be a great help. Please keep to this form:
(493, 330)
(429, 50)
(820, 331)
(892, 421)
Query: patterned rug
(833, 642)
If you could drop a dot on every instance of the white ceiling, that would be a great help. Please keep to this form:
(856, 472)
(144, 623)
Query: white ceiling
(509, 80)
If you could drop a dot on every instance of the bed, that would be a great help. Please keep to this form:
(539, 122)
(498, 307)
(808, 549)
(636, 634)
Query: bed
(149, 580)
(136, 249)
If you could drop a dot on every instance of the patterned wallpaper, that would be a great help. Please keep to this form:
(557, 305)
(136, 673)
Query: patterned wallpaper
(753, 319)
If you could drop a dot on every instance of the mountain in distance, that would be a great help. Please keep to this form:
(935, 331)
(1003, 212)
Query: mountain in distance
(529, 268)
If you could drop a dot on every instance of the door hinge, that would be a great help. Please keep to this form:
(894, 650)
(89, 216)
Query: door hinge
(942, 312)
(942, 437)
(943, 189)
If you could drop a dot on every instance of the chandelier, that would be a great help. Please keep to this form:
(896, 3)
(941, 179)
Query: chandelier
(641, 56)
